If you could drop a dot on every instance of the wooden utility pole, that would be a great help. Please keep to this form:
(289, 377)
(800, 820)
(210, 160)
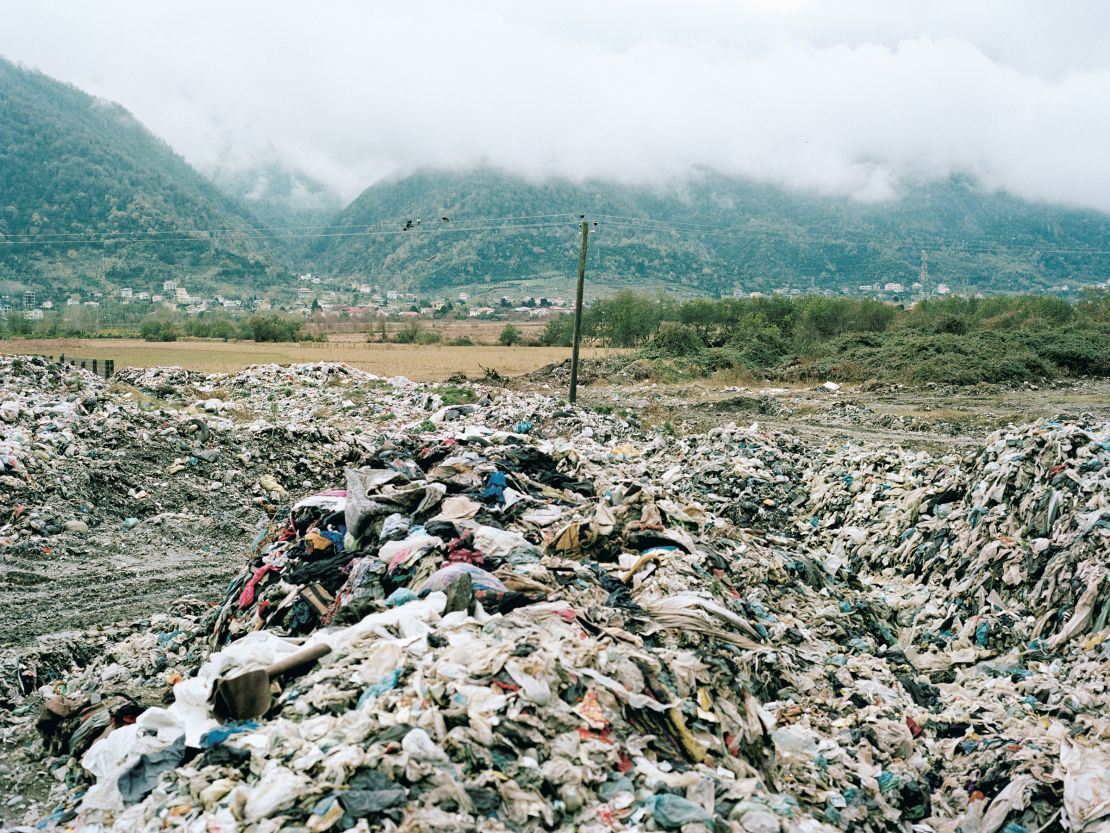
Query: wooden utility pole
(578, 314)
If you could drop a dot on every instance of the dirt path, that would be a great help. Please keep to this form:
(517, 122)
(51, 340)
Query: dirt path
(114, 576)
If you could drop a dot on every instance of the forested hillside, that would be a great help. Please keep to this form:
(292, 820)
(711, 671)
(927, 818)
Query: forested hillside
(711, 234)
(89, 197)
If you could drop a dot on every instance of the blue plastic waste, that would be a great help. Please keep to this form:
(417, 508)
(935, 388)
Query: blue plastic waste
(673, 811)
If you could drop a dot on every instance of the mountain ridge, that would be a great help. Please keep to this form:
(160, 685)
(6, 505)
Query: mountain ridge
(714, 234)
(86, 186)
(90, 199)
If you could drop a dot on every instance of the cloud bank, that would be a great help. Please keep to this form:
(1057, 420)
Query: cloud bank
(852, 98)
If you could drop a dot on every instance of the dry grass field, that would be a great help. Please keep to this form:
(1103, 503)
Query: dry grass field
(477, 330)
(428, 363)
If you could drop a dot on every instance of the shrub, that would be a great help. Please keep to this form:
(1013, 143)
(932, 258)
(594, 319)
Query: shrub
(153, 330)
(510, 336)
(407, 334)
(626, 319)
(952, 324)
(677, 340)
(456, 395)
(559, 332)
(1073, 350)
(272, 328)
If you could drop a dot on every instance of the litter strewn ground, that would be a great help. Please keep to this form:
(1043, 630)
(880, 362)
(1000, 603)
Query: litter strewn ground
(524, 616)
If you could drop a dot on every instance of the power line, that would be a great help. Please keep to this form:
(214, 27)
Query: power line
(209, 237)
(369, 226)
(520, 222)
(872, 240)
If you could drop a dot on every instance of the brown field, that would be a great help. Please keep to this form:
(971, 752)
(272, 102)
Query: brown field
(480, 331)
(427, 363)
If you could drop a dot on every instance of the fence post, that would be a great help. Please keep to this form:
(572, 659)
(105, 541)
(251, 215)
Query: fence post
(94, 370)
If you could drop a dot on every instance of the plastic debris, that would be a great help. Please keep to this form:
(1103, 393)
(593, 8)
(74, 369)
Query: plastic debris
(595, 626)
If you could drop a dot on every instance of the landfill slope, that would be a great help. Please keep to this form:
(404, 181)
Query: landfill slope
(526, 616)
(121, 497)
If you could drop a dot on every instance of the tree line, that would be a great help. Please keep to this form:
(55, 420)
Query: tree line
(957, 339)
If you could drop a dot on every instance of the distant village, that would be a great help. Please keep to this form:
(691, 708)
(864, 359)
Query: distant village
(325, 299)
(313, 297)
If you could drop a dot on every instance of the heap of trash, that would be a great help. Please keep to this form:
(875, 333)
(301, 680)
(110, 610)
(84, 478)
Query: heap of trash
(511, 614)
(99, 476)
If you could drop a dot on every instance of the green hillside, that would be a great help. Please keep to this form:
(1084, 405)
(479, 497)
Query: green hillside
(710, 235)
(90, 198)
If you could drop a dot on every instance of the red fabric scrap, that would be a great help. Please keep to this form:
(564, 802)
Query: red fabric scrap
(246, 598)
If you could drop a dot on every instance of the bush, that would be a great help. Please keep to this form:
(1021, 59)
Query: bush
(462, 341)
(559, 332)
(952, 324)
(510, 336)
(407, 334)
(1073, 350)
(943, 358)
(153, 330)
(952, 340)
(272, 328)
(212, 327)
(626, 319)
(677, 340)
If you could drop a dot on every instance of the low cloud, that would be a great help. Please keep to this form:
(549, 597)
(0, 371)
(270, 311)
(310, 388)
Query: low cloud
(850, 98)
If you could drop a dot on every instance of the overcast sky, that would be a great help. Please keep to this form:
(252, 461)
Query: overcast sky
(845, 97)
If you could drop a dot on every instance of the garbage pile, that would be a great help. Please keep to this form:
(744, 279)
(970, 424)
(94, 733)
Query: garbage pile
(1012, 539)
(97, 476)
(508, 615)
(855, 413)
